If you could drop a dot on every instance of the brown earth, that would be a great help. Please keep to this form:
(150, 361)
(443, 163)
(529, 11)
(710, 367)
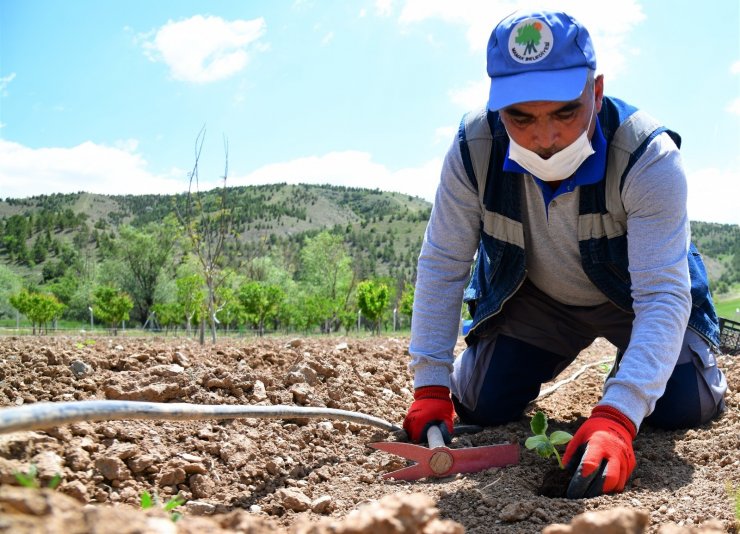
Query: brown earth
(278, 476)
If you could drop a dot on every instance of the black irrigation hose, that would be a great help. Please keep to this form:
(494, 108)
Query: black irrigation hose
(49, 414)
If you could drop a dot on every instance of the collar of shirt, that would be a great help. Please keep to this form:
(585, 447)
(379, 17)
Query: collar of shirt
(591, 170)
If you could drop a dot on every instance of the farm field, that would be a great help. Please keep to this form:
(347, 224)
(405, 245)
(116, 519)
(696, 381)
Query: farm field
(315, 475)
(728, 308)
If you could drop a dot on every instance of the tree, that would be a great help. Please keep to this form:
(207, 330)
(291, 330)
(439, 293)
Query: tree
(207, 230)
(39, 308)
(10, 284)
(169, 314)
(406, 305)
(372, 298)
(326, 270)
(261, 302)
(190, 296)
(111, 306)
(145, 253)
(229, 310)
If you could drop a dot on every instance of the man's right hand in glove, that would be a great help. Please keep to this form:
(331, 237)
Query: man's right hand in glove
(601, 454)
(432, 406)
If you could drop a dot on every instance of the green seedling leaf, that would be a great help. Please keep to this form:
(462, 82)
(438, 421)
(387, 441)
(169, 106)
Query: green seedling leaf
(55, 481)
(149, 501)
(146, 500)
(541, 443)
(538, 424)
(535, 441)
(28, 480)
(545, 450)
(173, 503)
(560, 438)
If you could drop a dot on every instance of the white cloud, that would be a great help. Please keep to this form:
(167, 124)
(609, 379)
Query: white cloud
(4, 82)
(205, 49)
(87, 167)
(609, 23)
(471, 96)
(734, 106)
(445, 134)
(713, 195)
(384, 7)
(328, 38)
(735, 68)
(351, 169)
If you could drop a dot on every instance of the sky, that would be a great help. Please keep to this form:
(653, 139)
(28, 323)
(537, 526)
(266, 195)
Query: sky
(111, 97)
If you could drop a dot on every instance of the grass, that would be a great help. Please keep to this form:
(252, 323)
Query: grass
(727, 308)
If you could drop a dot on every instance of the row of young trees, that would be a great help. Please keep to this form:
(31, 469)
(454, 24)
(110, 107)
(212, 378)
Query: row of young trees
(175, 272)
(253, 304)
(154, 276)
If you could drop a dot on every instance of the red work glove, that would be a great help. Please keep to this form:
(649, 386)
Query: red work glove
(601, 454)
(432, 405)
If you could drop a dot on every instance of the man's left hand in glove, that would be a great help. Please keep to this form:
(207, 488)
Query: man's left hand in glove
(601, 454)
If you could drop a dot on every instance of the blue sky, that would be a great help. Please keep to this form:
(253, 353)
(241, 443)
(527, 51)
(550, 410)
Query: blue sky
(109, 97)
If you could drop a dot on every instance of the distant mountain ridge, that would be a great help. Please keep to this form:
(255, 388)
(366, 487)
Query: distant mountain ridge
(383, 230)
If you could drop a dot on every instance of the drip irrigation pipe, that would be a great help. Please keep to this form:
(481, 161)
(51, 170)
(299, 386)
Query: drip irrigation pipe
(50, 414)
(44, 415)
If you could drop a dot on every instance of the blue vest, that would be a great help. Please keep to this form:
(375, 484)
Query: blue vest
(500, 267)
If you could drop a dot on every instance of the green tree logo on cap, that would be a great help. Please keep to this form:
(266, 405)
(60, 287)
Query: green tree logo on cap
(529, 35)
(530, 41)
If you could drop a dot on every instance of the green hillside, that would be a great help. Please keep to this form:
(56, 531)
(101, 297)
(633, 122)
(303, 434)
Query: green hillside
(70, 240)
(68, 243)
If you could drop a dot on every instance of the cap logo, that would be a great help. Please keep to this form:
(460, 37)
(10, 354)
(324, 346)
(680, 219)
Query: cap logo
(530, 41)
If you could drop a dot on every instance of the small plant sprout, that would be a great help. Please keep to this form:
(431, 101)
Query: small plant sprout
(148, 501)
(31, 479)
(545, 446)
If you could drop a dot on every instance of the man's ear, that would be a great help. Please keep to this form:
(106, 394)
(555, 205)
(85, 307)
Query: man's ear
(598, 91)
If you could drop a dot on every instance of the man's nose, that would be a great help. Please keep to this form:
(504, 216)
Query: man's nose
(547, 139)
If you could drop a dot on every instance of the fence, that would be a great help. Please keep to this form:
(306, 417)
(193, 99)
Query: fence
(729, 336)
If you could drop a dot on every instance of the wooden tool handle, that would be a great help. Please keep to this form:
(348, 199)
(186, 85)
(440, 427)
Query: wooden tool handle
(434, 437)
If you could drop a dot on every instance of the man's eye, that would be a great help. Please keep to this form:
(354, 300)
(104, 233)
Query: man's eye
(565, 115)
(522, 121)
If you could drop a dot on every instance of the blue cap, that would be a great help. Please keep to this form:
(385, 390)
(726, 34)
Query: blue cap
(538, 55)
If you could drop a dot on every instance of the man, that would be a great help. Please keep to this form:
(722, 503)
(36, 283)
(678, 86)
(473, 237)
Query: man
(573, 207)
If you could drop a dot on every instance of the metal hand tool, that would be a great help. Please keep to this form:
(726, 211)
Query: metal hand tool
(438, 460)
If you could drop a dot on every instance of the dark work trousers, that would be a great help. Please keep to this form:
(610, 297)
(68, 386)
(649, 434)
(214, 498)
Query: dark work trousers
(534, 338)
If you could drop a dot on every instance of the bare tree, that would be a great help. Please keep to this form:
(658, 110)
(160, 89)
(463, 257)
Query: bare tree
(207, 222)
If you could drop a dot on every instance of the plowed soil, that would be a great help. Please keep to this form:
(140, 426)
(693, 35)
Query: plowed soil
(315, 475)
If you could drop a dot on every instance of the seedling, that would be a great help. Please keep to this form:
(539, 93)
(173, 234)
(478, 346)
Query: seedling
(545, 446)
(148, 501)
(31, 479)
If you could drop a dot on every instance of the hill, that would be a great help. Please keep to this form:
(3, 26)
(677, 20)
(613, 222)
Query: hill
(68, 244)
(42, 236)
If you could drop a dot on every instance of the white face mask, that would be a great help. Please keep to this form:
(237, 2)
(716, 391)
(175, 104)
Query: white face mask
(560, 165)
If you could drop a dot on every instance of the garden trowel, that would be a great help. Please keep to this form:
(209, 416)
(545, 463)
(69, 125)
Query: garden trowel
(438, 460)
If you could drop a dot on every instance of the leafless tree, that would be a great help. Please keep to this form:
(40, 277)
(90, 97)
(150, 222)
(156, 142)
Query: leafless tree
(207, 219)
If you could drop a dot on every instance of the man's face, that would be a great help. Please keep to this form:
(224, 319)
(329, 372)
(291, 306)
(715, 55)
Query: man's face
(547, 127)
